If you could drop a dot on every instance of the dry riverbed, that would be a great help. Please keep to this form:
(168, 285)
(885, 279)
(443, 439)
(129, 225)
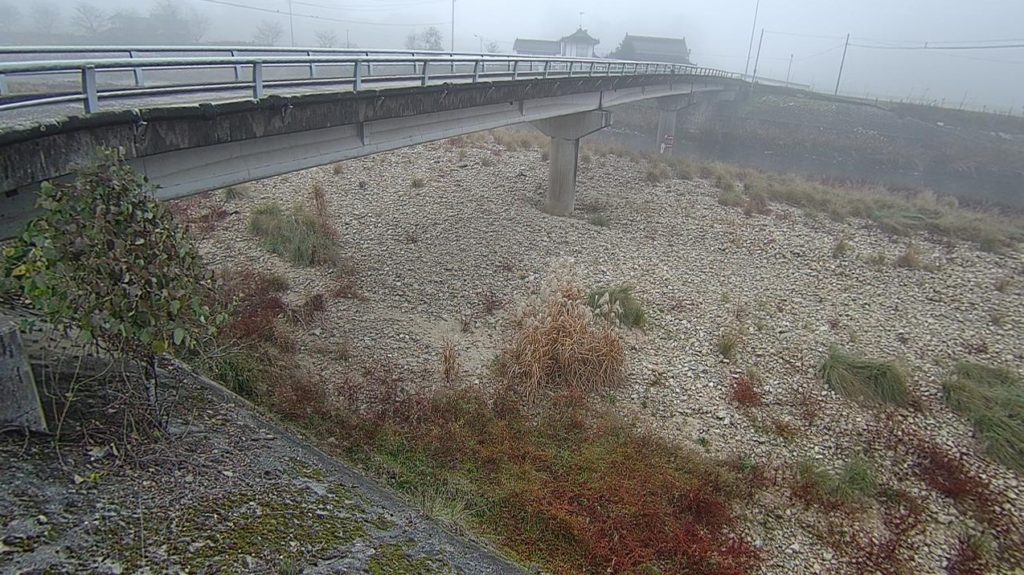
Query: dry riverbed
(447, 243)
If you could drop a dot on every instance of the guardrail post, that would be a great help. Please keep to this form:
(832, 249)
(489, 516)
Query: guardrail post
(3, 85)
(476, 71)
(257, 81)
(426, 76)
(547, 64)
(92, 101)
(238, 68)
(136, 71)
(312, 66)
(570, 68)
(515, 70)
(590, 72)
(357, 79)
(369, 66)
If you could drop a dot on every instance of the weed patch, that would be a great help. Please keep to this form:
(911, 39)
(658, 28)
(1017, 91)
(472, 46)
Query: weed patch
(619, 303)
(864, 380)
(993, 400)
(298, 235)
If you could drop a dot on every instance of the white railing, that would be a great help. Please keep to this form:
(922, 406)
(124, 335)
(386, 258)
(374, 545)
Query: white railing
(90, 74)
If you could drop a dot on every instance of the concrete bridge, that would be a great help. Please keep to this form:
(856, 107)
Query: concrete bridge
(193, 122)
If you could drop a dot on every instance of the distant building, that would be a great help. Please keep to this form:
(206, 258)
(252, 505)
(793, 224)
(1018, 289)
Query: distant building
(579, 44)
(653, 49)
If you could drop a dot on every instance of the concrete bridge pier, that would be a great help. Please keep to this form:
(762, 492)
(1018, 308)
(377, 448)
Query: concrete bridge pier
(565, 133)
(668, 114)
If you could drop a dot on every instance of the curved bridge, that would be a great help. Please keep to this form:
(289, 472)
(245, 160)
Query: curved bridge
(193, 120)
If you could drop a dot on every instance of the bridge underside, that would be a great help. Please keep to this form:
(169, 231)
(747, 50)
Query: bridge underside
(190, 149)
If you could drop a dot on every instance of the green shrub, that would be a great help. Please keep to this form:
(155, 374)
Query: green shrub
(620, 302)
(109, 260)
(728, 343)
(992, 398)
(297, 235)
(865, 380)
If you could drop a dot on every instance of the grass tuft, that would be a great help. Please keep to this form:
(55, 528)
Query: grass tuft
(560, 348)
(418, 182)
(728, 344)
(992, 398)
(599, 220)
(854, 482)
(619, 303)
(449, 362)
(298, 235)
(864, 380)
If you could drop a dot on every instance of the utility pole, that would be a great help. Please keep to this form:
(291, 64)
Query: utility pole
(291, 22)
(790, 69)
(842, 64)
(758, 59)
(753, 29)
(453, 25)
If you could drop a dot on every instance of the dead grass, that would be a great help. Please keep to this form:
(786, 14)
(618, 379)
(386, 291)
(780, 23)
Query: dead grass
(417, 182)
(911, 259)
(841, 248)
(559, 347)
(971, 556)
(992, 398)
(1003, 284)
(449, 362)
(338, 169)
(309, 310)
(864, 380)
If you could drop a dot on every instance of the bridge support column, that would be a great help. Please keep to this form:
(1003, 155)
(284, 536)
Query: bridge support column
(668, 114)
(565, 133)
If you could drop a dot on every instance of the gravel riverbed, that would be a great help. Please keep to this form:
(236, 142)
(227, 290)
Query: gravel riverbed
(433, 260)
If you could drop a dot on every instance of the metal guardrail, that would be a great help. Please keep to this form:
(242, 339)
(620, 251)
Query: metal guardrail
(89, 74)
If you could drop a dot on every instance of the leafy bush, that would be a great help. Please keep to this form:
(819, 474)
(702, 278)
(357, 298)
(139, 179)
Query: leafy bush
(619, 303)
(109, 260)
(865, 380)
(992, 399)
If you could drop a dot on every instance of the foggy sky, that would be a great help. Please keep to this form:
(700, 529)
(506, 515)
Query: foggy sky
(718, 33)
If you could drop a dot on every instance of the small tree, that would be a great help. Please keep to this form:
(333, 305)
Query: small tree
(326, 38)
(429, 39)
(109, 261)
(267, 33)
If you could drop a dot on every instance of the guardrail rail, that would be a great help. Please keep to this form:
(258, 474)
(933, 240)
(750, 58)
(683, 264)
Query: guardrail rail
(40, 75)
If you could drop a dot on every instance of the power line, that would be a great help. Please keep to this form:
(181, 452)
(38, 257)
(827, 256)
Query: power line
(928, 46)
(321, 18)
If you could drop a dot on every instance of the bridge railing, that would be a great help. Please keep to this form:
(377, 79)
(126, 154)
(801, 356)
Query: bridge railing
(92, 74)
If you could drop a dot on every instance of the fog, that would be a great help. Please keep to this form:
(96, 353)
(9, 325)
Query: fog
(718, 34)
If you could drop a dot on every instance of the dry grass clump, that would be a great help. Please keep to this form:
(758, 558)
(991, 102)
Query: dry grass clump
(865, 380)
(311, 308)
(417, 182)
(972, 556)
(992, 398)
(449, 362)
(841, 248)
(911, 259)
(599, 220)
(1003, 284)
(561, 347)
(657, 172)
(338, 169)
(619, 304)
(235, 193)
(300, 235)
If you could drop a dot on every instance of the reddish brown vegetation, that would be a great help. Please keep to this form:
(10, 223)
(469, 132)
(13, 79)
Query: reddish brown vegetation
(951, 477)
(745, 393)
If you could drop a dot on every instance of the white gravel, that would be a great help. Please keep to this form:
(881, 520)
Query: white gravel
(428, 257)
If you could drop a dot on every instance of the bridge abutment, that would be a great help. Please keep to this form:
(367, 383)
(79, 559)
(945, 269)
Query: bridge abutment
(565, 133)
